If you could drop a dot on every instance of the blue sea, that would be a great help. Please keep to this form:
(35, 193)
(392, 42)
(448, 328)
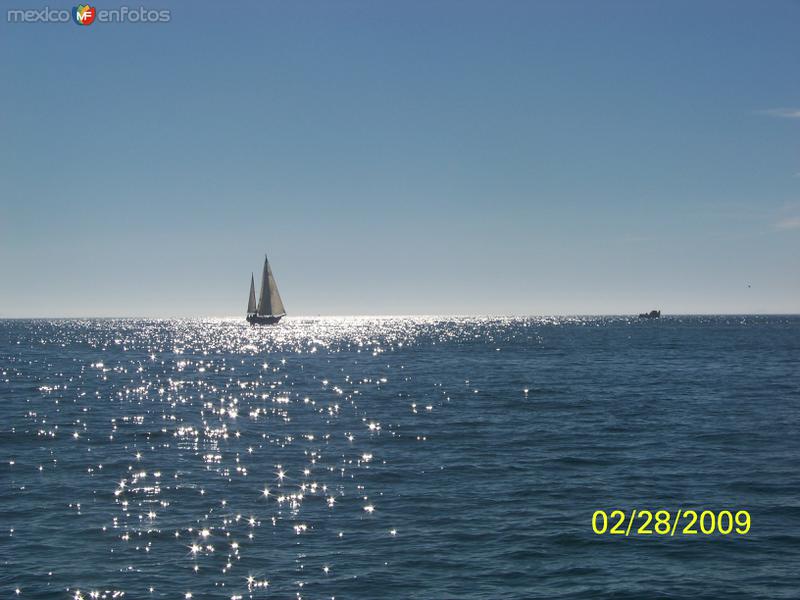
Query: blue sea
(374, 458)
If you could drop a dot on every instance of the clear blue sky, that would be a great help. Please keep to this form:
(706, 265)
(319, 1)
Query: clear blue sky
(403, 157)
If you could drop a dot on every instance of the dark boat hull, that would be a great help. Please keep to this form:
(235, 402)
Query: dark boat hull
(653, 314)
(258, 320)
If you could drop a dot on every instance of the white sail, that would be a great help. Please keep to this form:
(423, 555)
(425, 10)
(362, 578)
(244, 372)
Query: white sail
(251, 303)
(270, 303)
(274, 295)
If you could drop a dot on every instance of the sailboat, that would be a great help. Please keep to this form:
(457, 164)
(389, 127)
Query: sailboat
(269, 309)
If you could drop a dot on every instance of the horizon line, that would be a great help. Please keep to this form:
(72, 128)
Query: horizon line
(400, 316)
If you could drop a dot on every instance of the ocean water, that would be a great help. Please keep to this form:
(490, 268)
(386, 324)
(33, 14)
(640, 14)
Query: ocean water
(396, 457)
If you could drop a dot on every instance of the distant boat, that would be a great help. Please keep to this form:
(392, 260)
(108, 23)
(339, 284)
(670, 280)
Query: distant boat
(653, 314)
(269, 309)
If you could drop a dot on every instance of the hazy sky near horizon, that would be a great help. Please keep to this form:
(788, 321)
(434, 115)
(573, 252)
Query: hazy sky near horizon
(403, 158)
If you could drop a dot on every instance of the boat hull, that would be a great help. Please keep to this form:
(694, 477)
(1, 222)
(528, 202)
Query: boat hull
(653, 314)
(259, 320)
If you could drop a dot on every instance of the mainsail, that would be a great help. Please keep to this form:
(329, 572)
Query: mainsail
(270, 303)
(251, 303)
